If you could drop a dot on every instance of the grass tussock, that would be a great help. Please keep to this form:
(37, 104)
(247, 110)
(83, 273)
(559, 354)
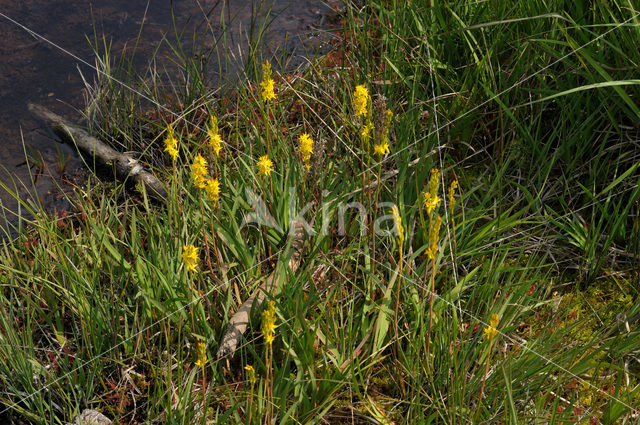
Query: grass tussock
(468, 172)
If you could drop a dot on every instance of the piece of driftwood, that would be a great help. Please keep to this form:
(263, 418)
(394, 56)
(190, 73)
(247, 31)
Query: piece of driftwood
(126, 166)
(239, 322)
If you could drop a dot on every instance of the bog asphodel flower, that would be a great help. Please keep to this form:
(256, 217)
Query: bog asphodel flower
(252, 374)
(213, 190)
(491, 331)
(384, 136)
(269, 322)
(171, 144)
(202, 354)
(199, 171)
(397, 221)
(434, 238)
(267, 83)
(430, 199)
(305, 147)
(215, 140)
(366, 130)
(451, 197)
(381, 150)
(430, 202)
(190, 257)
(265, 165)
(361, 101)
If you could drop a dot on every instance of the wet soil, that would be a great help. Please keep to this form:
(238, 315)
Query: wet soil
(33, 166)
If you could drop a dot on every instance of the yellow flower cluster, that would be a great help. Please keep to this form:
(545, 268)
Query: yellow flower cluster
(397, 221)
(199, 171)
(213, 190)
(361, 101)
(265, 165)
(171, 144)
(305, 147)
(252, 374)
(451, 197)
(430, 198)
(384, 137)
(381, 149)
(269, 322)
(434, 238)
(202, 355)
(490, 331)
(190, 257)
(215, 140)
(267, 83)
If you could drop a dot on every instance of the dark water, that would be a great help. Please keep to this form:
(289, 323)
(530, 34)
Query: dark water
(33, 70)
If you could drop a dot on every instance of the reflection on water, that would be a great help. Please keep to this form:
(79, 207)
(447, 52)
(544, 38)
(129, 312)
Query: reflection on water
(35, 71)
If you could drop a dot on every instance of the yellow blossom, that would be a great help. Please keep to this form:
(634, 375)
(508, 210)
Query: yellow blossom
(306, 147)
(213, 190)
(451, 193)
(361, 100)
(434, 238)
(381, 149)
(490, 331)
(252, 374)
(267, 83)
(199, 171)
(434, 181)
(269, 322)
(365, 131)
(384, 137)
(202, 354)
(430, 201)
(190, 257)
(215, 140)
(265, 166)
(171, 144)
(397, 221)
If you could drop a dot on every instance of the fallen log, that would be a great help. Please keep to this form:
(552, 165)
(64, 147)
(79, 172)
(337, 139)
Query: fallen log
(126, 166)
(239, 322)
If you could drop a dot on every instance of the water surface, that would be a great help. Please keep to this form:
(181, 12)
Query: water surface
(33, 70)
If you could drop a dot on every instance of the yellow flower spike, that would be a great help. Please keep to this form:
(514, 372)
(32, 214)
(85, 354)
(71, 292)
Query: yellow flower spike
(491, 331)
(366, 130)
(397, 221)
(361, 101)
(305, 147)
(384, 137)
(190, 257)
(431, 202)
(213, 190)
(199, 171)
(269, 322)
(430, 199)
(202, 355)
(434, 238)
(267, 83)
(170, 144)
(451, 197)
(381, 149)
(434, 181)
(215, 140)
(252, 374)
(265, 166)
